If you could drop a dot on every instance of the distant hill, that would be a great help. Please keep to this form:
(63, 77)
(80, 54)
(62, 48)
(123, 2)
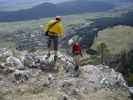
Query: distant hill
(12, 5)
(81, 6)
(49, 10)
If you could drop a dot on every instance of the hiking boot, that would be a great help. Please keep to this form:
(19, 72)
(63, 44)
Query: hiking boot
(55, 58)
(76, 71)
(76, 74)
(48, 55)
(76, 68)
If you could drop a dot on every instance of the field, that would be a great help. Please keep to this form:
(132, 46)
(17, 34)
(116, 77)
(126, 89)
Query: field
(67, 20)
(117, 38)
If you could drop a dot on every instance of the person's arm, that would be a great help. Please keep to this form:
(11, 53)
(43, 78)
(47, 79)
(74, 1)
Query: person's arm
(41, 27)
(46, 27)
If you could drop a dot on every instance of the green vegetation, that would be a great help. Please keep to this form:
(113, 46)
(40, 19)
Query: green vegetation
(68, 21)
(130, 79)
(8, 29)
(103, 51)
(116, 38)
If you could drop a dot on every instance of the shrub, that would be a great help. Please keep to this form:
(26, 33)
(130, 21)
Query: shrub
(103, 51)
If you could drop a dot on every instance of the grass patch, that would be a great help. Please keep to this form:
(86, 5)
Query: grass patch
(116, 38)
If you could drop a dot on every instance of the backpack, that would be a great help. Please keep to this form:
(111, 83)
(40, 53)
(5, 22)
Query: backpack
(52, 25)
(76, 48)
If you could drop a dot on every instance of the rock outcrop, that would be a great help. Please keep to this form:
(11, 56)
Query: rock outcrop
(14, 62)
(93, 83)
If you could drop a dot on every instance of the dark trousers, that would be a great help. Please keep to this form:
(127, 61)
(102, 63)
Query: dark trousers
(53, 40)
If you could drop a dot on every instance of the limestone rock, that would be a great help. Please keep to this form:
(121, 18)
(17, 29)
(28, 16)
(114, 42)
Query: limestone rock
(21, 75)
(14, 62)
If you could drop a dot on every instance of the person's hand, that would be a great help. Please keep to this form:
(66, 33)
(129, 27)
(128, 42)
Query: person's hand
(41, 26)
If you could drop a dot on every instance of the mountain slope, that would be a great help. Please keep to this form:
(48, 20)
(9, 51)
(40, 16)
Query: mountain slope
(84, 6)
(49, 10)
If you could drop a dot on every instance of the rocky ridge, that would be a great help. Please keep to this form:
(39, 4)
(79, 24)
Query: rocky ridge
(30, 76)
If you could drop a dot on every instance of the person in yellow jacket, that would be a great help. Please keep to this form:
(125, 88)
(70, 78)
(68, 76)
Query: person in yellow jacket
(54, 30)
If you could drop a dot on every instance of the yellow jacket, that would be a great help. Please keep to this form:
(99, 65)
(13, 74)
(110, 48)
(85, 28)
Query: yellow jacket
(55, 30)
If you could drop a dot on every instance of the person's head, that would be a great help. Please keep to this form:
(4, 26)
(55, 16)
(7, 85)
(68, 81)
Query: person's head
(58, 18)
